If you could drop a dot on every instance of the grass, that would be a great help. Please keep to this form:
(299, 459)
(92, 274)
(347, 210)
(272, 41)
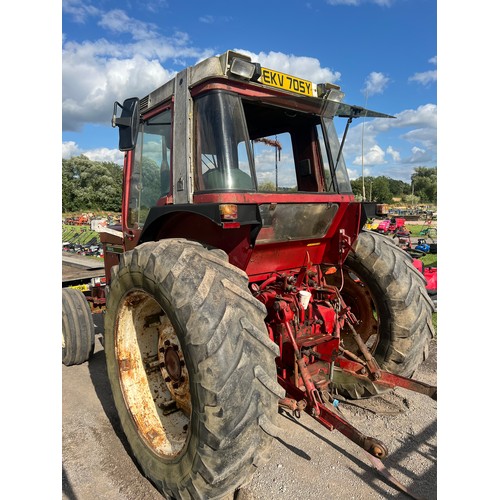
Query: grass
(80, 235)
(430, 260)
(416, 229)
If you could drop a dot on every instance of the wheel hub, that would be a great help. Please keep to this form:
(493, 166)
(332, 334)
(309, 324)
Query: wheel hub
(173, 364)
(173, 368)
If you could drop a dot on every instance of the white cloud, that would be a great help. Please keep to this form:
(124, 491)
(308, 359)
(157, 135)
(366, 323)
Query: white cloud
(95, 74)
(418, 155)
(426, 77)
(117, 21)
(374, 156)
(78, 10)
(91, 83)
(375, 83)
(353, 174)
(394, 154)
(414, 132)
(424, 136)
(356, 3)
(206, 19)
(105, 154)
(344, 2)
(265, 161)
(71, 149)
(301, 66)
(424, 117)
(153, 5)
(423, 125)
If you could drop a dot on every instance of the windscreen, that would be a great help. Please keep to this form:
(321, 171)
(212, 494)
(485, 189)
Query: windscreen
(251, 145)
(222, 145)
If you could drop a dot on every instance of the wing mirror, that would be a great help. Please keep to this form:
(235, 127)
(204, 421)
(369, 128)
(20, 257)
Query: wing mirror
(128, 122)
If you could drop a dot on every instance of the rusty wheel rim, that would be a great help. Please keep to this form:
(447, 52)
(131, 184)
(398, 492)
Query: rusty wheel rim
(153, 377)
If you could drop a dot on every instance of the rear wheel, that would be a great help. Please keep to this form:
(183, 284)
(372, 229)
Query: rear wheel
(78, 333)
(191, 367)
(388, 295)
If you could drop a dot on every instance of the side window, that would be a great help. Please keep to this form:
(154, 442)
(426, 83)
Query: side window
(151, 175)
(341, 174)
(324, 159)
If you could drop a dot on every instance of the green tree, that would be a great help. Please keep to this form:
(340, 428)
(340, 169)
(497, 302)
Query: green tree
(381, 192)
(381, 189)
(424, 182)
(268, 186)
(399, 188)
(411, 199)
(357, 186)
(90, 185)
(151, 188)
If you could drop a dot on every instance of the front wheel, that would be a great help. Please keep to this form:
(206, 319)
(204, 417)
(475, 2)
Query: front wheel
(191, 367)
(388, 295)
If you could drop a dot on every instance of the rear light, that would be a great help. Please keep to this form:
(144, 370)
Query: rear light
(96, 282)
(228, 211)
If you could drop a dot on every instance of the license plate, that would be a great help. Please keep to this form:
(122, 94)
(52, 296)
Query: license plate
(82, 288)
(286, 82)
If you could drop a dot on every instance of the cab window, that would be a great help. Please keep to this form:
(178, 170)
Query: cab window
(151, 174)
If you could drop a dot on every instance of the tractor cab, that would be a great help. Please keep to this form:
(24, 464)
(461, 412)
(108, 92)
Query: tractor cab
(236, 155)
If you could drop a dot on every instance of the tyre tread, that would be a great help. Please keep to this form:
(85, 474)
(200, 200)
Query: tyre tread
(210, 297)
(408, 307)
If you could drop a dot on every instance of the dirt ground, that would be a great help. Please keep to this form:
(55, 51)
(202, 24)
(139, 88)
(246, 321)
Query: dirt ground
(307, 460)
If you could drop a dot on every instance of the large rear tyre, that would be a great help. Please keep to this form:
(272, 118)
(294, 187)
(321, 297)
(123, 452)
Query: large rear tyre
(191, 367)
(387, 294)
(78, 333)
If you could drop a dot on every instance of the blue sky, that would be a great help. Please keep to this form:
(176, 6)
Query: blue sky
(383, 53)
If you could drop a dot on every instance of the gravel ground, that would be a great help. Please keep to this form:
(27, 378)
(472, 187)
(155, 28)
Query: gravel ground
(311, 462)
(307, 461)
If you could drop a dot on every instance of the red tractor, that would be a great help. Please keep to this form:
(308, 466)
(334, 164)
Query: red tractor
(240, 279)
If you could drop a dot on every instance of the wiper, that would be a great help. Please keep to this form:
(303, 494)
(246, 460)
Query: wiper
(350, 111)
